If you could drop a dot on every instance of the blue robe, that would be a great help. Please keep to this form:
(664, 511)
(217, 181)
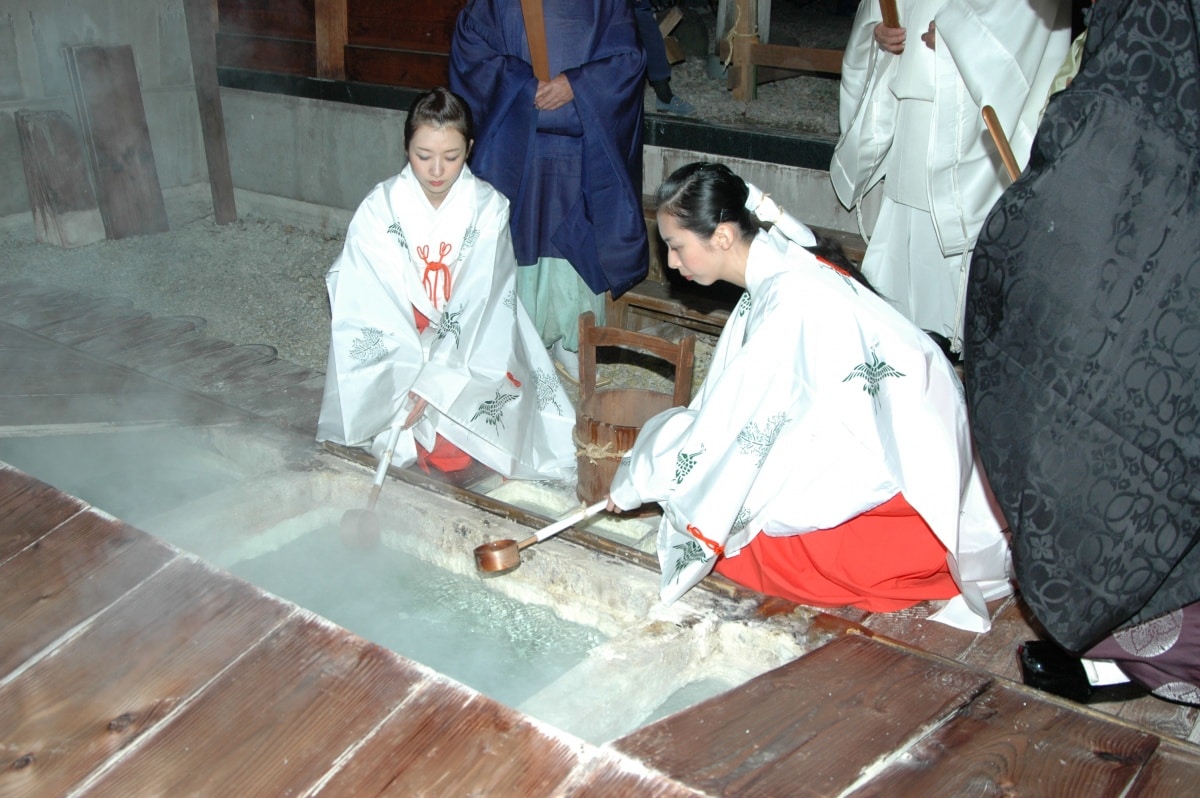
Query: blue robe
(572, 175)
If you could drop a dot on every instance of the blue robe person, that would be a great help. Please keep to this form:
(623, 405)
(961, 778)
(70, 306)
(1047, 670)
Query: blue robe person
(573, 175)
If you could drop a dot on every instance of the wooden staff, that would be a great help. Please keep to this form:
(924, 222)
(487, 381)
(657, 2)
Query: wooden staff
(1006, 153)
(535, 32)
(891, 17)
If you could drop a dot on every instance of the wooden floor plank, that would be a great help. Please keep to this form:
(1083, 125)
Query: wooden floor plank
(1171, 772)
(34, 307)
(1004, 743)
(140, 332)
(448, 740)
(73, 572)
(98, 323)
(30, 509)
(147, 655)
(162, 360)
(51, 386)
(807, 716)
(273, 724)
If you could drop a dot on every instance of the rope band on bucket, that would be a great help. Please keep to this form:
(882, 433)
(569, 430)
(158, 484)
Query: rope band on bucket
(594, 451)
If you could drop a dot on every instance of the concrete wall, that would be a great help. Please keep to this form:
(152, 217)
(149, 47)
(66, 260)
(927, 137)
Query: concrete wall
(308, 161)
(34, 35)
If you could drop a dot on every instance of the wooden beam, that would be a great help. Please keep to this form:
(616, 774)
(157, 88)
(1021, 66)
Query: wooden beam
(332, 37)
(801, 59)
(201, 16)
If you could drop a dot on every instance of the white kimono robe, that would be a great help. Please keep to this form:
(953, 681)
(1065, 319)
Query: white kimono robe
(489, 383)
(915, 121)
(822, 402)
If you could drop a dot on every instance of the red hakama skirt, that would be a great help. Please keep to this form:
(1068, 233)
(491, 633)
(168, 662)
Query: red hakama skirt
(883, 560)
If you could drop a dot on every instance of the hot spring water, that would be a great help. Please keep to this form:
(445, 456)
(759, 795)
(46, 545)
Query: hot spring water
(558, 637)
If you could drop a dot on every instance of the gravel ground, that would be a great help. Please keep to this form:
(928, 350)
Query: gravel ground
(260, 281)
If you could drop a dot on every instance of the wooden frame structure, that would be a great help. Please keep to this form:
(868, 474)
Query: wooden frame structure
(747, 54)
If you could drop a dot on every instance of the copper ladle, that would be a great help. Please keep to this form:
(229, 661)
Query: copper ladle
(501, 555)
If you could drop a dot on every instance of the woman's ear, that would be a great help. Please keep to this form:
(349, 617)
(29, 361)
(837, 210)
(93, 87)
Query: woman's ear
(724, 235)
(470, 145)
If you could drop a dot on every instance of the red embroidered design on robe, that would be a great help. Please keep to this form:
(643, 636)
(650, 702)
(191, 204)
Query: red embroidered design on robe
(432, 271)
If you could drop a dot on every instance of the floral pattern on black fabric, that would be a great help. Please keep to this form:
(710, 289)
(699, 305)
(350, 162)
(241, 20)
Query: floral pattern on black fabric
(1083, 316)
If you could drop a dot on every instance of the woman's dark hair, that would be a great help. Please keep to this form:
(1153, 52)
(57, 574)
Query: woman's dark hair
(703, 195)
(439, 108)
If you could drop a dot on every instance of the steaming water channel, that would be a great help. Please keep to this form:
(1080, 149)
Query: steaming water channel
(542, 639)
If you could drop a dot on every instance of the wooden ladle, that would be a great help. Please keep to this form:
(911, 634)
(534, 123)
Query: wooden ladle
(503, 555)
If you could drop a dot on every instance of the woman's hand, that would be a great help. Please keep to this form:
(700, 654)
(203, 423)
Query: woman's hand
(553, 94)
(890, 39)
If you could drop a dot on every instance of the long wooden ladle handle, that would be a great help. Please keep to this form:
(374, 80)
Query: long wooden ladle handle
(558, 526)
(891, 17)
(1006, 153)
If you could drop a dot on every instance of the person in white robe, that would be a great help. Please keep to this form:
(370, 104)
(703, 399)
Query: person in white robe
(429, 341)
(910, 113)
(822, 403)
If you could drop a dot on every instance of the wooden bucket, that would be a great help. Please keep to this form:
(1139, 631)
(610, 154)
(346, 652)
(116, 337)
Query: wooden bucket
(606, 426)
(608, 422)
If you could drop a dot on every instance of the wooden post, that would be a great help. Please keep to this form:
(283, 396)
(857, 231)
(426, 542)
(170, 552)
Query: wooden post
(201, 16)
(744, 38)
(332, 37)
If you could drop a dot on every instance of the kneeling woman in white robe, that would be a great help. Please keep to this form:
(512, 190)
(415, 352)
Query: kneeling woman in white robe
(427, 333)
(826, 458)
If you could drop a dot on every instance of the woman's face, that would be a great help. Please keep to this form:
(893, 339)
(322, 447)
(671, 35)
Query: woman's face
(695, 258)
(437, 156)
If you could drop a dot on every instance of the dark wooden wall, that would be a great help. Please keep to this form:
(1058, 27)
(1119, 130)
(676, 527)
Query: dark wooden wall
(387, 42)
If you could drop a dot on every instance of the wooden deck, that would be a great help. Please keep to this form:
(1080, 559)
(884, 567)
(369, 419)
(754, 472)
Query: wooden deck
(128, 667)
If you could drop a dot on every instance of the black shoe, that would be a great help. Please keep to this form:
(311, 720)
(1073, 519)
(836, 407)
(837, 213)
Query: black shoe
(1051, 668)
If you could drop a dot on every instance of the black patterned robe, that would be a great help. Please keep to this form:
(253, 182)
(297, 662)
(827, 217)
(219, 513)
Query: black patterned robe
(1083, 324)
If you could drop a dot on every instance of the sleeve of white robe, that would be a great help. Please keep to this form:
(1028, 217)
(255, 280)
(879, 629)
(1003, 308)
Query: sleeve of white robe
(998, 54)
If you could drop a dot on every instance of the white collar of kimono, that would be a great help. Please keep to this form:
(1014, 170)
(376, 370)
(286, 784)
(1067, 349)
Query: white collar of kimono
(426, 227)
(765, 208)
(771, 253)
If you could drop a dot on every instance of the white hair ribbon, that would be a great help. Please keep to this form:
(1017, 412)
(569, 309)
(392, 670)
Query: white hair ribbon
(762, 206)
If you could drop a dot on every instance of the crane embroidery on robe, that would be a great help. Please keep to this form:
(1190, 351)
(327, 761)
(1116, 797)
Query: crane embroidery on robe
(434, 270)
(757, 441)
(743, 517)
(547, 389)
(449, 324)
(684, 463)
(872, 374)
(395, 229)
(469, 239)
(493, 409)
(368, 347)
(689, 553)
(510, 300)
